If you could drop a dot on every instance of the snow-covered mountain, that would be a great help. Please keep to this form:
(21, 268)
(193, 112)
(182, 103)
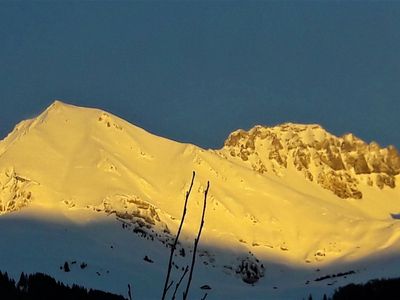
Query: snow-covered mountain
(82, 185)
(337, 164)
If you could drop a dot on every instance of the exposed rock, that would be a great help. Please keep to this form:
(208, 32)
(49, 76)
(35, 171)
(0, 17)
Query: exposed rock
(66, 267)
(147, 259)
(342, 184)
(336, 162)
(14, 193)
(205, 287)
(131, 208)
(383, 179)
(250, 269)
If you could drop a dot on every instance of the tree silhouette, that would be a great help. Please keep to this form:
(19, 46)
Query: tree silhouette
(169, 283)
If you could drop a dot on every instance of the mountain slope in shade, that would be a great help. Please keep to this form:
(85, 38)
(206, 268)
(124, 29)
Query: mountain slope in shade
(291, 194)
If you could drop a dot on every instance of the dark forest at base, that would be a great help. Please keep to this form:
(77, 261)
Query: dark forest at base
(372, 290)
(39, 286)
(377, 289)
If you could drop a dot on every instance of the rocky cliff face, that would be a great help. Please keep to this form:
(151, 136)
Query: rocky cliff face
(14, 191)
(339, 164)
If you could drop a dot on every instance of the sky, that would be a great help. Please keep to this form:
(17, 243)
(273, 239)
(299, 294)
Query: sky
(194, 71)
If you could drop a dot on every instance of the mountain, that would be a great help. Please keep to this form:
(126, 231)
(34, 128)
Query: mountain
(337, 164)
(293, 200)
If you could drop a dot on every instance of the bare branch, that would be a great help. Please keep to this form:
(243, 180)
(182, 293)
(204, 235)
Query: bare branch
(170, 284)
(167, 285)
(129, 292)
(179, 282)
(196, 242)
(204, 297)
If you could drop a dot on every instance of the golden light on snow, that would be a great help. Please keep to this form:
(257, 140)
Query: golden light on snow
(262, 199)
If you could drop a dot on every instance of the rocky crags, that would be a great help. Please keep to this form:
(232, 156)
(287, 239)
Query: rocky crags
(339, 164)
(14, 192)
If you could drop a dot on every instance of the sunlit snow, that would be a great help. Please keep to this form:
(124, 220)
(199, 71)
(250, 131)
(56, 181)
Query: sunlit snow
(82, 185)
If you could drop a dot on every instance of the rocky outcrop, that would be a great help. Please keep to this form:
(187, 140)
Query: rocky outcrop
(14, 193)
(339, 164)
(250, 269)
(132, 209)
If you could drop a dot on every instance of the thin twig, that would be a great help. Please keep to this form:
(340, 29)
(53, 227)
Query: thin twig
(170, 284)
(204, 297)
(179, 282)
(167, 285)
(196, 242)
(129, 292)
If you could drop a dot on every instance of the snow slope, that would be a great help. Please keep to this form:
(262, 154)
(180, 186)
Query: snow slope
(80, 184)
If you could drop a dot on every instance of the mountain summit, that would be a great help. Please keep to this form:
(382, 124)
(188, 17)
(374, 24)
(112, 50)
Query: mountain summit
(339, 164)
(291, 193)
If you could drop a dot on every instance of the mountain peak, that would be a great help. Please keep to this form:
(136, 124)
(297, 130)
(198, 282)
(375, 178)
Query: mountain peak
(339, 164)
(308, 133)
(76, 144)
(59, 105)
(56, 117)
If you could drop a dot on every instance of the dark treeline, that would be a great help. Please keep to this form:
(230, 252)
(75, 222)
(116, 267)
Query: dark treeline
(43, 287)
(377, 289)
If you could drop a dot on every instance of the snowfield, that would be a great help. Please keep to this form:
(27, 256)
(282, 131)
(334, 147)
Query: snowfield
(308, 210)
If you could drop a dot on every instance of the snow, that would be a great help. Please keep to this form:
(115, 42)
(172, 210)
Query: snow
(88, 172)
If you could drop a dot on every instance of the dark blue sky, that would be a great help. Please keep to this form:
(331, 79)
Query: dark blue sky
(195, 71)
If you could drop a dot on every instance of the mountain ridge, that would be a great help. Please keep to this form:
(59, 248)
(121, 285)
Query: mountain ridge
(109, 193)
(81, 157)
(336, 163)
